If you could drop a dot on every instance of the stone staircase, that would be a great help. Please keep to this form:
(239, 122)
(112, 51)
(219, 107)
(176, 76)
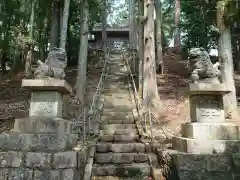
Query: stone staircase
(119, 152)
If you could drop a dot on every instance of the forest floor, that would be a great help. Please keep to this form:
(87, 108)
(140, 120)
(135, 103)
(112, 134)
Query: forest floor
(173, 90)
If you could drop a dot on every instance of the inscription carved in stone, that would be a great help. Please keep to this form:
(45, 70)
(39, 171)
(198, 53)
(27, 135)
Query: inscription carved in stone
(209, 109)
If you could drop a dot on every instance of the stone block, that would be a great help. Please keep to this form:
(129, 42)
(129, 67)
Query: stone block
(38, 160)
(121, 170)
(207, 108)
(47, 142)
(187, 175)
(42, 125)
(190, 162)
(127, 148)
(214, 176)
(210, 131)
(122, 158)
(65, 160)
(36, 142)
(11, 159)
(46, 104)
(20, 174)
(47, 175)
(140, 158)
(102, 147)
(47, 84)
(218, 163)
(69, 174)
(236, 160)
(126, 138)
(4, 173)
(205, 146)
(82, 158)
(103, 158)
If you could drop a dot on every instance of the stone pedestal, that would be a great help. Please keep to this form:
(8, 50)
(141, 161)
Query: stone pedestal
(40, 147)
(209, 147)
(208, 132)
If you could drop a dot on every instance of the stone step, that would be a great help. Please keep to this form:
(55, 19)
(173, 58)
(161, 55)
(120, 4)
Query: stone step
(120, 178)
(37, 142)
(124, 158)
(117, 126)
(121, 170)
(119, 138)
(117, 109)
(103, 147)
(111, 120)
(205, 146)
(42, 125)
(212, 131)
(118, 131)
(116, 115)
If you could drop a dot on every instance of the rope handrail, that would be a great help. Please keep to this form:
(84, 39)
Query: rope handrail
(142, 115)
(91, 112)
(139, 103)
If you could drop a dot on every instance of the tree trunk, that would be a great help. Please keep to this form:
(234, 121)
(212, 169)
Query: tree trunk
(104, 29)
(158, 7)
(150, 90)
(29, 57)
(44, 41)
(225, 54)
(177, 35)
(55, 24)
(64, 26)
(132, 34)
(82, 58)
(140, 47)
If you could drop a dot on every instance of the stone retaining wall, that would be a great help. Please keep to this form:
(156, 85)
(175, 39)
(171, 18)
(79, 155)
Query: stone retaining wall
(186, 166)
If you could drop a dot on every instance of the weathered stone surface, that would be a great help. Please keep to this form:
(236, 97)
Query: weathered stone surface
(127, 148)
(4, 173)
(20, 174)
(215, 176)
(46, 104)
(207, 109)
(117, 126)
(47, 142)
(42, 125)
(126, 138)
(122, 158)
(218, 163)
(106, 138)
(207, 88)
(103, 158)
(187, 175)
(140, 158)
(38, 160)
(190, 162)
(236, 160)
(212, 131)
(205, 146)
(121, 170)
(49, 84)
(103, 147)
(47, 175)
(69, 174)
(140, 147)
(65, 160)
(82, 159)
(11, 159)
(115, 121)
